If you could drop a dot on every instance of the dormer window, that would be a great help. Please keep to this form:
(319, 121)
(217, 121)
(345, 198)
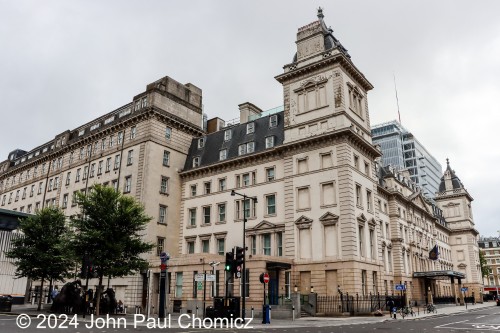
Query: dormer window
(227, 135)
(269, 142)
(196, 162)
(250, 147)
(201, 143)
(250, 127)
(222, 154)
(246, 148)
(273, 121)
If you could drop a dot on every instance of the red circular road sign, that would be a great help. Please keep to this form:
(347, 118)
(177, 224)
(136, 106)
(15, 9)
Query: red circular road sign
(163, 267)
(266, 278)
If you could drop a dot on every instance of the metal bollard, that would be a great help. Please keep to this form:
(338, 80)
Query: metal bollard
(293, 312)
(196, 315)
(125, 309)
(270, 308)
(252, 312)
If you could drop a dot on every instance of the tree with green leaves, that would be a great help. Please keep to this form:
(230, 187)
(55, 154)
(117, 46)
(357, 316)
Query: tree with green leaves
(41, 252)
(485, 269)
(108, 229)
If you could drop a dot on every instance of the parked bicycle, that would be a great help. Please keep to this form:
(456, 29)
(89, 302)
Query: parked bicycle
(405, 311)
(431, 308)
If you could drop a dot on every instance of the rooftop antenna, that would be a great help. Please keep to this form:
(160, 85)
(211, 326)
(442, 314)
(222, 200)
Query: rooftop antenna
(397, 100)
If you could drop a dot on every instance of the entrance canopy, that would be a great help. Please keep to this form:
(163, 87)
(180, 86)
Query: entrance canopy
(438, 275)
(272, 265)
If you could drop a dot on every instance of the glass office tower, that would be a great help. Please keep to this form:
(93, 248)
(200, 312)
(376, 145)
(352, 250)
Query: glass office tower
(403, 151)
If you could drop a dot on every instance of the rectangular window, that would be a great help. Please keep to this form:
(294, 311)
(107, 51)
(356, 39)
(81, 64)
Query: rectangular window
(65, 201)
(133, 132)
(206, 214)
(302, 165)
(82, 155)
(270, 142)
(358, 195)
(356, 162)
(193, 190)
(160, 245)
(248, 207)
(369, 205)
(328, 196)
(196, 162)
(117, 161)
(205, 245)
(266, 244)
(303, 199)
(279, 244)
(250, 147)
(114, 184)
(271, 204)
(192, 217)
(49, 189)
(253, 244)
(273, 120)
(40, 185)
(207, 186)
(162, 216)
(103, 144)
(246, 179)
(120, 138)
(201, 143)
(168, 133)
(56, 186)
(270, 174)
(242, 150)
(178, 284)
(108, 164)
(130, 157)
(166, 158)
(195, 285)
(372, 244)
(227, 135)
(85, 172)
(360, 239)
(99, 168)
(221, 246)
(222, 154)
(326, 160)
(164, 185)
(250, 127)
(288, 289)
(111, 140)
(221, 209)
(190, 247)
(128, 184)
(222, 184)
(32, 191)
(92, 170)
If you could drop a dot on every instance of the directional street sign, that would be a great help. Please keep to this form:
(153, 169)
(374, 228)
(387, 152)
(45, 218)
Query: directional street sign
(400, 287)
(199, 277)
(464, 288)
(210, 277)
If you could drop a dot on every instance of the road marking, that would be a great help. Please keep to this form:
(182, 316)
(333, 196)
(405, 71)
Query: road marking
(480, 317)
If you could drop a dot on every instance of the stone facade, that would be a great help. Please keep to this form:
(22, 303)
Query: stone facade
(326, 218)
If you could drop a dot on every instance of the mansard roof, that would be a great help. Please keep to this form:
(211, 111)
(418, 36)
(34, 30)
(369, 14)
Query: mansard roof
(214, 142)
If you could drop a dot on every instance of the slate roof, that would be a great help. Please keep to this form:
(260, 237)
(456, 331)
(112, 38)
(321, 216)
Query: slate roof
(214, 142)
(455, 181)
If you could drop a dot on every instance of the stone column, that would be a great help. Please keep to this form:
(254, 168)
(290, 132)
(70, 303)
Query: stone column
(453, 290)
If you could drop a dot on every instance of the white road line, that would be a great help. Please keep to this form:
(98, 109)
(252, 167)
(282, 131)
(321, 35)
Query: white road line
(456, 322)
(480, 317)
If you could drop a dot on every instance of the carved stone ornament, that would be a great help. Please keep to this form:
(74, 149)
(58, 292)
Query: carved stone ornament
(329, 219)
(372, 223)
(384, 244)
(361, 218)
(303, 222)
(462, 265)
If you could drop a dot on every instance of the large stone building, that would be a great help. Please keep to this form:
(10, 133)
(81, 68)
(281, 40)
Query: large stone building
(491, 249)
(326, 216)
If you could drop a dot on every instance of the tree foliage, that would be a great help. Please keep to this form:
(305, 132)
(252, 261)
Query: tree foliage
(485, 269)
(108, 230)
(41, 252)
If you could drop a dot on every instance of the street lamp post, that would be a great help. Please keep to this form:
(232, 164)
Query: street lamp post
(243, 270)
(214, 264)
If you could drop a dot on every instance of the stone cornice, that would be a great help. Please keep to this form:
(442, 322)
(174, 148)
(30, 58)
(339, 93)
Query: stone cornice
(328, 59)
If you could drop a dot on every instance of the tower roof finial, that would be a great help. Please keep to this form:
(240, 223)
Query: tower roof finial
(447, 161)
(320, 13)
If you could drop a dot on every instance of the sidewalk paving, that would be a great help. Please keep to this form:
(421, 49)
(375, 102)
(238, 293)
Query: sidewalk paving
(275, 323)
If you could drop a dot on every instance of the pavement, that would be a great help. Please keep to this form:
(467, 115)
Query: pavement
(178, 321)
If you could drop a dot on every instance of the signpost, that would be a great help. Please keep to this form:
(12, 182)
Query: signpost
(163, 284)
(400, 287)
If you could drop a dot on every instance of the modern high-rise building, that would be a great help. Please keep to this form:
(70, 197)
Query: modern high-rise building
(402, 150)
(326, 218)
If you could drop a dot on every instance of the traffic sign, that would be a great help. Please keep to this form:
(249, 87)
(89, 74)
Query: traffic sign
(464, 288)
(238, 275)
(200, 285)
(163, 267)
(400, 287)
(266, 278)
(164, 255)
(199, 277)
(211, 277)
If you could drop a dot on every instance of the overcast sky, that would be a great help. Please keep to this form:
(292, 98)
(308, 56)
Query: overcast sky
(64, 63)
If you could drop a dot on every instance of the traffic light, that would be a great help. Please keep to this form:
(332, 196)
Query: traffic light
(240, 256)
(230, 264)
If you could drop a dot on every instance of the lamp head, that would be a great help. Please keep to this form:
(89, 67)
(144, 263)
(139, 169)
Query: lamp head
(232, 193)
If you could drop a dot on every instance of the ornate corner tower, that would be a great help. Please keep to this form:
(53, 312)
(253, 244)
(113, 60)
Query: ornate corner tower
(455, 202)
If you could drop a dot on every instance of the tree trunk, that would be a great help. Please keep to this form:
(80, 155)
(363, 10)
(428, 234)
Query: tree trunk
(40, 298)
(98, 296)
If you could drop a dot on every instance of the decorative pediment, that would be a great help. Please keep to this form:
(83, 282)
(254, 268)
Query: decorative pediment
(372, 223)
(264, 225)
(303, 222)
(329, 219)
(419, 201)
(361, 218)
(462, 266)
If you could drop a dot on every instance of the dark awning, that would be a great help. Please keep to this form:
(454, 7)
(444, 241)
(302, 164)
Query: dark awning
(273, 265)
(439, 274)
(9, 219)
